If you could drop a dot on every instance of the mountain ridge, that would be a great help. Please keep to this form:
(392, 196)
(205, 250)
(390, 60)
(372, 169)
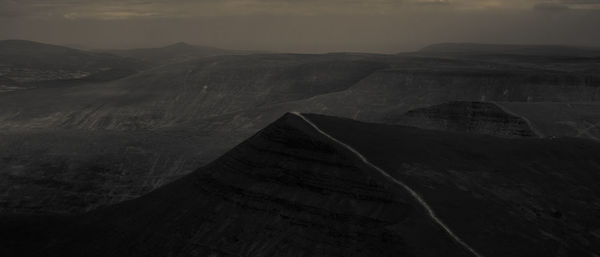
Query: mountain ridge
(291, 189)
(517, 49)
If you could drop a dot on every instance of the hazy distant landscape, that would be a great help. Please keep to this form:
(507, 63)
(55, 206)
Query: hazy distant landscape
(187, 150)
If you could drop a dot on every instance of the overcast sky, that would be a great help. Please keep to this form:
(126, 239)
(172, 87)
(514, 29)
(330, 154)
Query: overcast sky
(301, 25)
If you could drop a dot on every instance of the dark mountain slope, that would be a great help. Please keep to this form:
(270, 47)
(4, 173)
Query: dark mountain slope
(287, 191)
(291, 190)
(507, 197)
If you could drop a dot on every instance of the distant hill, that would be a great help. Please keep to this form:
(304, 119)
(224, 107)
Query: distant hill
(540, 50)
(311, 185)
(27, 61)
(177, 52)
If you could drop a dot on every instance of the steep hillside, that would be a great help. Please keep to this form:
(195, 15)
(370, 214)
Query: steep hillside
(523, 197)
(467, 117)
(311, 185)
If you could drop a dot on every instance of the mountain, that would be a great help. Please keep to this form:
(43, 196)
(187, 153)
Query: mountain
(362, 86)
(174, 53)
(28, 62)
(534, 50)
(467, 117)
(555, 119)
(583, 60)
(147, 129)
(312, 185)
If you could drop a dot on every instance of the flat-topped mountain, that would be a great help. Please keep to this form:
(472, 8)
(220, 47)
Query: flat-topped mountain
(539, 50)
(468, 117)
(311, 185)
(173, 53)
(584, 60)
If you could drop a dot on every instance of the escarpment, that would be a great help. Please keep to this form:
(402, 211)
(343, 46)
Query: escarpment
(467, 117)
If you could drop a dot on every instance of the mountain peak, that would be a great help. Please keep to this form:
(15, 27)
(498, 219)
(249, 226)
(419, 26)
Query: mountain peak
(179, 45)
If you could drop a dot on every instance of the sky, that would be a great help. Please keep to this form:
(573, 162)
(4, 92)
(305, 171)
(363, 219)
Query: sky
(307, 26)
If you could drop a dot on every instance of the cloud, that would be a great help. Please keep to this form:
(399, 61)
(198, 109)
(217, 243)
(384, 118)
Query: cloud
(562, 5)
(550, 7)
(583, 2)
(154, 9)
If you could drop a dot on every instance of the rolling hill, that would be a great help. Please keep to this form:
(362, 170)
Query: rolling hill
(29, 62)
(174, 53)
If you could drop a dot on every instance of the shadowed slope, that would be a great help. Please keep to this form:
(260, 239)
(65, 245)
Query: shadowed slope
(287, 191)
(506, 197)
(318, 187)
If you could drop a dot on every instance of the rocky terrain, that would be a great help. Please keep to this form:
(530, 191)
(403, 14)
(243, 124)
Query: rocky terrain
(69, 147)
(311, 185)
